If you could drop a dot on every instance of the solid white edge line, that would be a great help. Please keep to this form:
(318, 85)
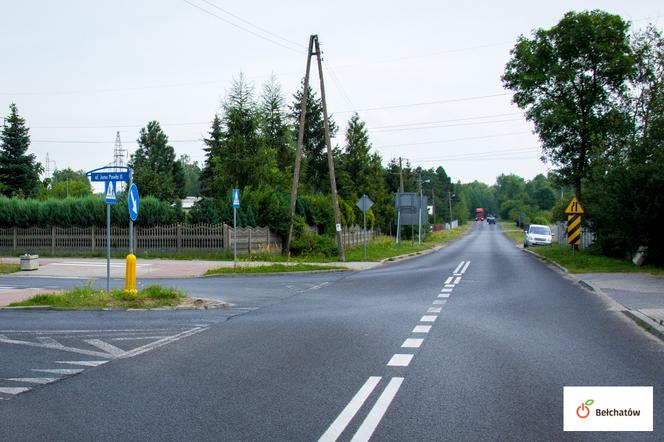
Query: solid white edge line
(378, 411)
(465, 267)
(33, 380)
(458, 267)
(348, 413)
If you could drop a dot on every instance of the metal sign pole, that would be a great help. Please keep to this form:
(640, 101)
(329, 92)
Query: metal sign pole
(131, 222)
(108, 247)
(364, 212)
(234, 237)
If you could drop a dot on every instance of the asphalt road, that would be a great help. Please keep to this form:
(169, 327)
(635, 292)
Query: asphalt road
(473, 342)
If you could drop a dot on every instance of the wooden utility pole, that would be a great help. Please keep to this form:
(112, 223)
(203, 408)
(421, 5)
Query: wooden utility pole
(313, 40)
(300, 143)
(330, 158)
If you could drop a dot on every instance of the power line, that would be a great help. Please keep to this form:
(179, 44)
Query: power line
(446, 125)
(425, 103)
(447, 121)
(451, 140)
(298, 45)
(243, 28)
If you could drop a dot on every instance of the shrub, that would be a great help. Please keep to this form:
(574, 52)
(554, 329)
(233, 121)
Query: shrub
(310, 244)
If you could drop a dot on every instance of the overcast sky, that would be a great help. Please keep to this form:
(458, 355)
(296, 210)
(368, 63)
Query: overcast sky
(81, 70)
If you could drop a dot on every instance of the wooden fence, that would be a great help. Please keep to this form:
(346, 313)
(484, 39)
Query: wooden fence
(169, 238)
(354, 236)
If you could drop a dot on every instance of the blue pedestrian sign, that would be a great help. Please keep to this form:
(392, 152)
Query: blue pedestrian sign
(236, 198)
(110, 192)
(133, 202)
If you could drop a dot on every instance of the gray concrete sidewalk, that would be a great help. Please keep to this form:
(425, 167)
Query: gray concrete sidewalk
(637, 292)
(148, 268)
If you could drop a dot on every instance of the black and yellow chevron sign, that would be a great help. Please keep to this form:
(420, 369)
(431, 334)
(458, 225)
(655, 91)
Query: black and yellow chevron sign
(574, 229)
(574, 211)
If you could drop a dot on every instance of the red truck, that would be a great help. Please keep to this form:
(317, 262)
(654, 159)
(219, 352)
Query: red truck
(479, 214)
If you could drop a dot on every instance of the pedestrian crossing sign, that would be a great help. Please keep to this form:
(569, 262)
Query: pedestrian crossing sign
(110, 192)
(236, 198)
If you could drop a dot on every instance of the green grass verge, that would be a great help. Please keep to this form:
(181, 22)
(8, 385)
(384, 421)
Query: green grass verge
(88, 297)
(512, 231)
(591, 261)
(9, 268)
(272, 268)
(385, 247)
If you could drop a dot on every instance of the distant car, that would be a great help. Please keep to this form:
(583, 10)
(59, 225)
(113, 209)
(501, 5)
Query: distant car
(490, 220)
(537, 235)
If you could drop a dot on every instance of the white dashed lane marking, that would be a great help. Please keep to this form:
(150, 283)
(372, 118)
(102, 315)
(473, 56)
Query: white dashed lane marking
(465, 267)
(422, 329)
(457, 280)
(444, 295)
(449, 280)
(439, 302)
(458, 268)
(448, 286)
(412, 343)
(400, 360)
(428, 318)
(434, 309)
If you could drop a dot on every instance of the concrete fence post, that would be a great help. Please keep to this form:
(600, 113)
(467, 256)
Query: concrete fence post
(14, 242)
(52, 240)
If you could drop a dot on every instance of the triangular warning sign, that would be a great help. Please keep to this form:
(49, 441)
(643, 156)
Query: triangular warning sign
(110, 191)
(574, 207)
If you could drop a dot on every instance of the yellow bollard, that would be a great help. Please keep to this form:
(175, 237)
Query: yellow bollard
(130, 275)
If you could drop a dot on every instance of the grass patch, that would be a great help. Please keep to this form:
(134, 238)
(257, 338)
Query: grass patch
(272, 268)
(512, 231)
(88, 297)
(9, 268)
(591, 261)
(385, 247)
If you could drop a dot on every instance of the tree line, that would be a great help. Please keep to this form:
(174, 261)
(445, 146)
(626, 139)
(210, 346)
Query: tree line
(595, 93)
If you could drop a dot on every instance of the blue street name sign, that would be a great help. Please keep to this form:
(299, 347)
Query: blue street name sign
(110, 192)
(236, 198)
(109, 176)
(133, 202)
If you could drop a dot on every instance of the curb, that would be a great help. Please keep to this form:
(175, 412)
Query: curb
(301, 272)
(647, 322)
(650, 325)
(433, 249)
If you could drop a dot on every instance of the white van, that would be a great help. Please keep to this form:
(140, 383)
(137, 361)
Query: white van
(537, 234)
